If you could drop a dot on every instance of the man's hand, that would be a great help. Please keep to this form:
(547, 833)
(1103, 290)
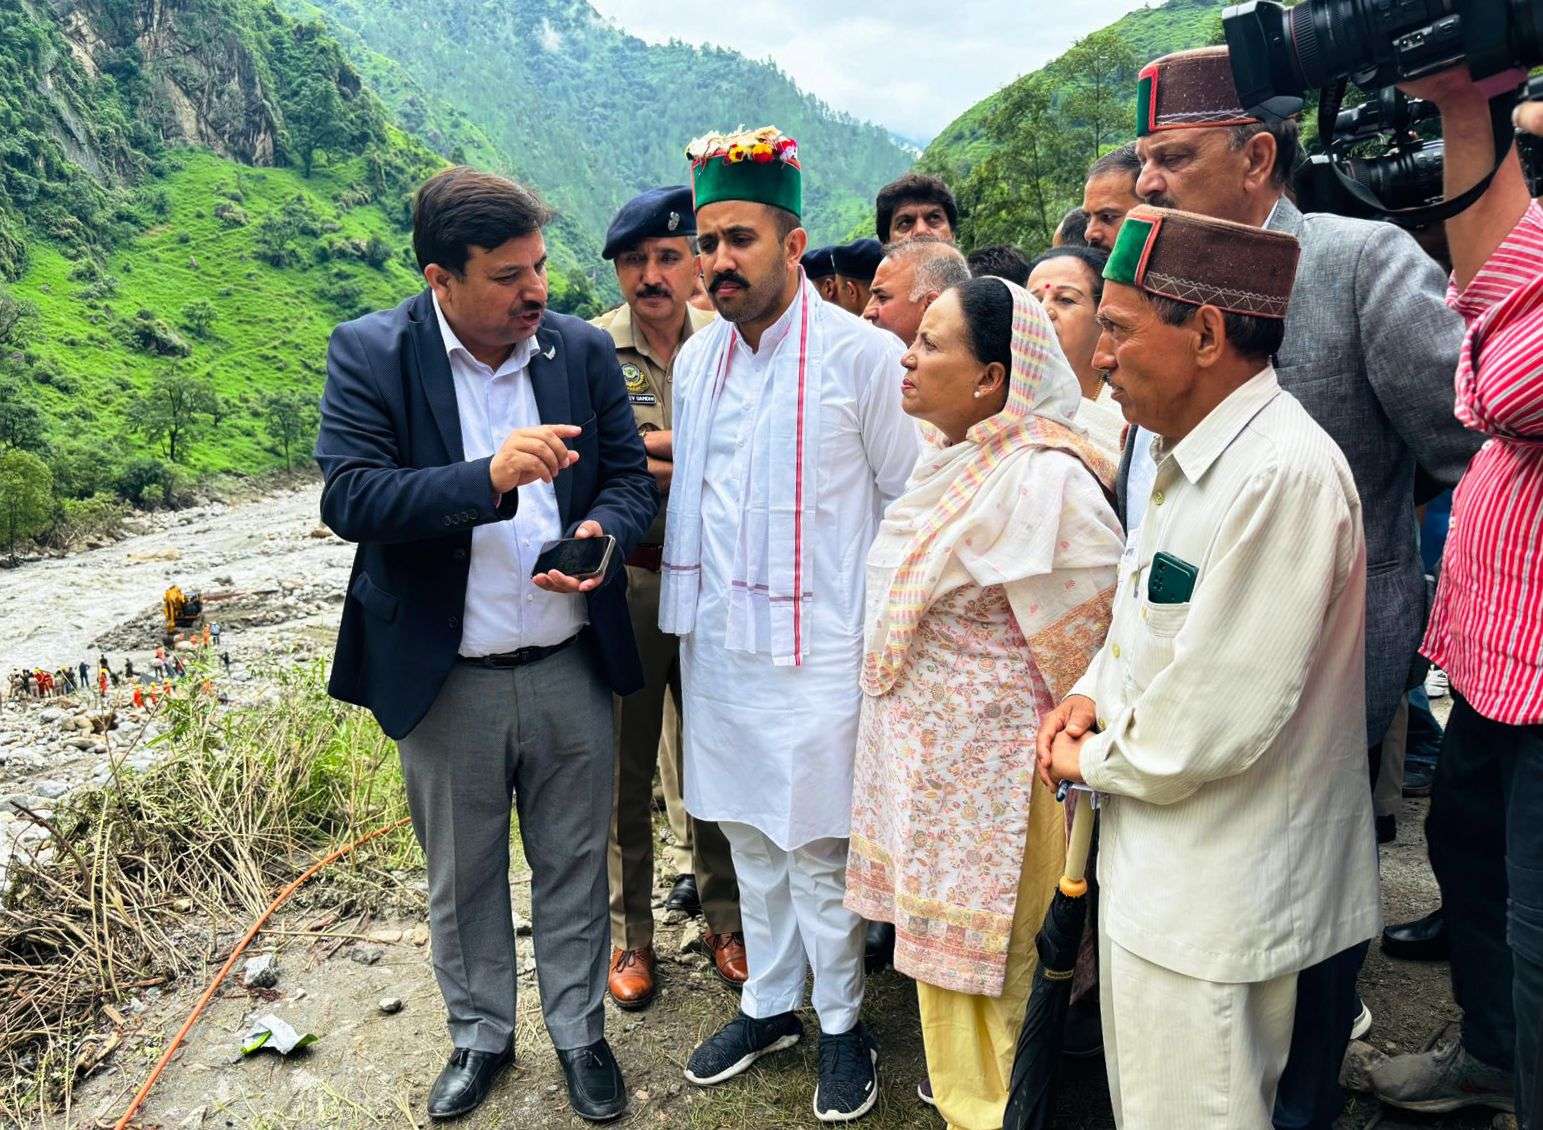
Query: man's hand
(1529, 117)
(659, 445)
(1074, 717)
(1064, 761)
(529, 454)
(553, 581)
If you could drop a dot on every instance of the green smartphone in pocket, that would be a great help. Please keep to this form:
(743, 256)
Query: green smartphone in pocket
(1171, 580)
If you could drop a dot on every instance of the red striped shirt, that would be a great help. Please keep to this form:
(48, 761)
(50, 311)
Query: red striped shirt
(1486, 630)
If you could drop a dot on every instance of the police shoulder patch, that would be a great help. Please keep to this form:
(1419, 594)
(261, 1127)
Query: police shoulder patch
(637, 380)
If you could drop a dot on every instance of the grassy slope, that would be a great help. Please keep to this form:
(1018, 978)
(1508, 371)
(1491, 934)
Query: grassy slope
(1152, 32)
(270, 327)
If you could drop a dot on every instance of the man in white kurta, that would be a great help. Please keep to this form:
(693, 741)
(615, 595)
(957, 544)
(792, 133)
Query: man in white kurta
(1223, 719)
(770, 695)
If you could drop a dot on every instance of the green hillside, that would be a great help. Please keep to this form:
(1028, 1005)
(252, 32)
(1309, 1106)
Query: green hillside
(1149, 32)
(191, 197)
(1017, 159)
(588, 113)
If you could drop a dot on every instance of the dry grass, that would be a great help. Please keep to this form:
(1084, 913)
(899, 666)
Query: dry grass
(239, 802)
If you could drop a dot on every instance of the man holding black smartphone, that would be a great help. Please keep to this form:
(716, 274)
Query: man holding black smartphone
(1236, 845)
(461, 433)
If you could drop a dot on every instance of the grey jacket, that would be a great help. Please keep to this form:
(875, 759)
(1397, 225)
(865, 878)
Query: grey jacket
(1371, 352)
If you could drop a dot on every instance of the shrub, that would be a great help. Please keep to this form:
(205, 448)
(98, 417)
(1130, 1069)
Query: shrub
(150, 334)
(100, 515)
(146, 482)
(198, 317)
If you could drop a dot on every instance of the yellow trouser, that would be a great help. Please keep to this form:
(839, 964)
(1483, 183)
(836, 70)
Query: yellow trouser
(970, 1039)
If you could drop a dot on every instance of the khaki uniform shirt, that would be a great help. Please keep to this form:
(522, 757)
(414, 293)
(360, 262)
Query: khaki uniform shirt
(1237, 840)
(649, 383)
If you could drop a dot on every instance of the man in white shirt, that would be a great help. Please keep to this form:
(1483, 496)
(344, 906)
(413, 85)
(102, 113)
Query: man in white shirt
(461, 432)
(789, 441)
(1224, 718)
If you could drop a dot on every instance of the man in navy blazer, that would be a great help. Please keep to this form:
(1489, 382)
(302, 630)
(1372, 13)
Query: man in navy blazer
(461, 432)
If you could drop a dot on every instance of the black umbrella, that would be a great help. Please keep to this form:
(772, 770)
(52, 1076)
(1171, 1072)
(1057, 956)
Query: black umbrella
(1031, 1102)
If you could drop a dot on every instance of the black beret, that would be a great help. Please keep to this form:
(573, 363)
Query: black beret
(657, 213)
(859, 259)
(817, 263)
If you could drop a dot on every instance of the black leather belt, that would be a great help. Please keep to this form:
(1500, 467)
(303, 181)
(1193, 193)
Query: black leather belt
(518, 658)
(650, 557)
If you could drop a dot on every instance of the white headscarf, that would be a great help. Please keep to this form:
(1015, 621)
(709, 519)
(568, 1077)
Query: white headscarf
(994, 510)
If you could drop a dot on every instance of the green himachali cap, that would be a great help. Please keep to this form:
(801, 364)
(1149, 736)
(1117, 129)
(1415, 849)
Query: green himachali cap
(756, 165)
(1205, 261)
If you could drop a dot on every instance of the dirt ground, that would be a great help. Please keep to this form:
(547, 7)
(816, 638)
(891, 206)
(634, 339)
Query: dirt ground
(371, 1069)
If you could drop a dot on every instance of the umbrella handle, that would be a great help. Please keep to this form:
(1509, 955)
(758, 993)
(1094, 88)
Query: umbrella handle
(1073, 884)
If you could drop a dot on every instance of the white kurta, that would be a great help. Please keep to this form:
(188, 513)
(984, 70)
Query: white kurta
(770, 746)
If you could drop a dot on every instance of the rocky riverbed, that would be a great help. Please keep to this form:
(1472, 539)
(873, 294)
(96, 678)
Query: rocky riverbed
(271, 576)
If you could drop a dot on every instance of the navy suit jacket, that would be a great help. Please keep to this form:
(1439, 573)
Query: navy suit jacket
(398, 484)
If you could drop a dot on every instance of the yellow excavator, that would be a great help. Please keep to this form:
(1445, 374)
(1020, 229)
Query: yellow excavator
(181, 612)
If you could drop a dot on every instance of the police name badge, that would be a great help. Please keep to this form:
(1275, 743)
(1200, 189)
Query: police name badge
(638, 391)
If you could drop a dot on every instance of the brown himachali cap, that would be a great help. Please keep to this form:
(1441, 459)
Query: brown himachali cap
(1205, 261)
(1188, 89)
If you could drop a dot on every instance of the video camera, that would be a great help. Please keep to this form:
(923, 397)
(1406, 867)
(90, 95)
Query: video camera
(1278, 54)
(1405, 175)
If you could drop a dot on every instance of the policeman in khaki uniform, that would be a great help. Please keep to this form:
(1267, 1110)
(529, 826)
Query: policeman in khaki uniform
(650, 242)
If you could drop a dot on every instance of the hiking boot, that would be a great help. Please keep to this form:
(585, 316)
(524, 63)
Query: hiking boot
(1442, 1079)
(849, 1076)
(738, 1044)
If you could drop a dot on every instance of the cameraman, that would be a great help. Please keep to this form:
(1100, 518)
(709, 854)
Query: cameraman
(1486, 632)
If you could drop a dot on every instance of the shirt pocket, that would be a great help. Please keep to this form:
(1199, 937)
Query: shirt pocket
(1152, 642)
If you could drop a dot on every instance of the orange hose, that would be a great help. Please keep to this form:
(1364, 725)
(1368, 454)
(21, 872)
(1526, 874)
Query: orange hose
(230, 962)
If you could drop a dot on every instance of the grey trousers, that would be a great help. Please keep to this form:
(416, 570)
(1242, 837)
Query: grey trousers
(542, 735)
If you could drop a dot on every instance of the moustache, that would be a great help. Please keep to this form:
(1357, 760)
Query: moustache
(728, 277)
(651, 291)
(1159, 200)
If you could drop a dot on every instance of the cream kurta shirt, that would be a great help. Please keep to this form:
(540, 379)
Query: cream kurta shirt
(1237, 840)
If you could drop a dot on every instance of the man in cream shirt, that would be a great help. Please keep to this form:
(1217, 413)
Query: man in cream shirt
(1224, 718)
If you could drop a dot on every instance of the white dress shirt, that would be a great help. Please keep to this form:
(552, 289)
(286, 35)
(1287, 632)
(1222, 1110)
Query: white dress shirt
(505, 611)
(1237, 840)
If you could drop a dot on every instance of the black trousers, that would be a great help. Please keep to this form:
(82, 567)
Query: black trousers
(1485, 831)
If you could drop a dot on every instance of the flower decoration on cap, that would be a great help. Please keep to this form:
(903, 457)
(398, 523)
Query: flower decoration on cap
(759, 165)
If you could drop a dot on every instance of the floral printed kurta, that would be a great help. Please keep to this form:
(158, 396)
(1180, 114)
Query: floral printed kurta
(945, 799)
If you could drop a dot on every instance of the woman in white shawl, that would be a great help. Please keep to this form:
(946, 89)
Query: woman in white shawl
(989, 588)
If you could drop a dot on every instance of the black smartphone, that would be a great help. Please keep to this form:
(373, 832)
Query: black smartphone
(579, 558)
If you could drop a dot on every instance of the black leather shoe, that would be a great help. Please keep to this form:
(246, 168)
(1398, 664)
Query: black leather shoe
(1424, 939)
(466, 1080)
(595, 1087)
(1387, 828)
(878, 946)
(1418, 780)
(683, 897)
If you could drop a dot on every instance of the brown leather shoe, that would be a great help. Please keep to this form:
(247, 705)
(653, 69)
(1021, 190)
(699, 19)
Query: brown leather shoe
(632, 978)
(728, 952)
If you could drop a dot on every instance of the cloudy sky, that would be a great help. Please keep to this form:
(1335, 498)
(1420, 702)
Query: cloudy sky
(911, 65)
